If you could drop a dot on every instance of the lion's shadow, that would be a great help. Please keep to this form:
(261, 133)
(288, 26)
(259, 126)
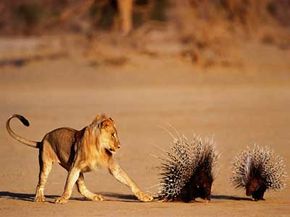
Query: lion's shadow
(109, 196)
(50, 198)
(20, 196)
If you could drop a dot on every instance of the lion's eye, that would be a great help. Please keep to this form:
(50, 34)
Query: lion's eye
(113, 135)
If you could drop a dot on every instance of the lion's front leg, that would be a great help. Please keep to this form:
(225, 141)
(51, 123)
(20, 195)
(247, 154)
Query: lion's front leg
(72, 177)
(122, 177)
(85, 192)
(143, 196)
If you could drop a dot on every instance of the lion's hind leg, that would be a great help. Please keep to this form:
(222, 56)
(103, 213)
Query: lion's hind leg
(45, 168)
(85, 192)
(46, 158)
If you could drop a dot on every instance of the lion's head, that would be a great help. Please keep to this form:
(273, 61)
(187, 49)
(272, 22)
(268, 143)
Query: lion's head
(103, 129)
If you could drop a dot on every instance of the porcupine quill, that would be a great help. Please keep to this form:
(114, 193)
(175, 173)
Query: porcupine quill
(187, 171)
(258, 169)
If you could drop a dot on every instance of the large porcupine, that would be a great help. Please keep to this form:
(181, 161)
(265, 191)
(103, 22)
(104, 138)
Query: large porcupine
(187, 170)
(258, 169)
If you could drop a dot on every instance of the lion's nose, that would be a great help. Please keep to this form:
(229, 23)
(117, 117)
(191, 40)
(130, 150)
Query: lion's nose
(119, 146)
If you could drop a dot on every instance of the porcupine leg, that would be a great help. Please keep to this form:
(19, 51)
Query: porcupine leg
(186, 193)
(259, 194)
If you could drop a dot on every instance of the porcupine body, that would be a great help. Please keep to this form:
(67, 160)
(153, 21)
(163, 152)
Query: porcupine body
(187, 170)
(258, 169)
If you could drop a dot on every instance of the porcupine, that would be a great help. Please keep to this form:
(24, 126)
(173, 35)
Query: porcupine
(187, 170)
(258, 169)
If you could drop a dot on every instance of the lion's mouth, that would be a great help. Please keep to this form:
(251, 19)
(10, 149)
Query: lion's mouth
(110, 150)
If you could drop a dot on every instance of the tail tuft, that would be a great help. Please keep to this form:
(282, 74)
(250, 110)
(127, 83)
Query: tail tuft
(23, 120)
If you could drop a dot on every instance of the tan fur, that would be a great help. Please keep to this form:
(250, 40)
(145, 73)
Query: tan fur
(79, 152)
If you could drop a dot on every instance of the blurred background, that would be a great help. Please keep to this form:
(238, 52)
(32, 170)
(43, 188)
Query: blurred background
(205, 33)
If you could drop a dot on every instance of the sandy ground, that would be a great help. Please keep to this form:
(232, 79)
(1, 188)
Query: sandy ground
(236, 106)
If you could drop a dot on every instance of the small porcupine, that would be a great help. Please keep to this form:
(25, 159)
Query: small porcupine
(258, 169)
(187, 170)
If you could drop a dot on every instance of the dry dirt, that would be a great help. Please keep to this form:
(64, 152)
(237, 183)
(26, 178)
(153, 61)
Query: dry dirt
(237, 106)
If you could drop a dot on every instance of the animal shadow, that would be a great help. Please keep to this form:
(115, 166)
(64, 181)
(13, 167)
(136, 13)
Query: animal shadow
(28, 197)
(228, 197)
(109, 196)
(20, 196)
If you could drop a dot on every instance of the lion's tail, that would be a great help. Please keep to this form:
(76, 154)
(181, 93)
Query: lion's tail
(25, 122)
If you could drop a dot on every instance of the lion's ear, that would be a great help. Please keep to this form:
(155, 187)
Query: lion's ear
(99, 118)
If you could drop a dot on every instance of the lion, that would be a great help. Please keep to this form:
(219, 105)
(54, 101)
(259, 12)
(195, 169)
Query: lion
(78, 152)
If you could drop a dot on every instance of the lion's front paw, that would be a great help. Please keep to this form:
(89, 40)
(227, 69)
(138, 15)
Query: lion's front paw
(144, 197)
(61, 200)
(97, 197)
(39, 198)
